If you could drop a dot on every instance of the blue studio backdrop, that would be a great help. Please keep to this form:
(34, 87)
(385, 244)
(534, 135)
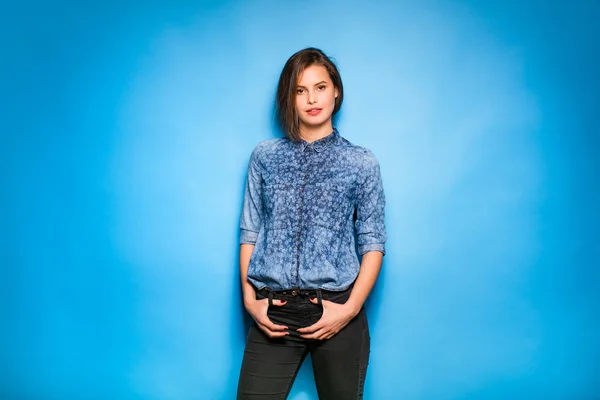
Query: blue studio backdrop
(126, 129)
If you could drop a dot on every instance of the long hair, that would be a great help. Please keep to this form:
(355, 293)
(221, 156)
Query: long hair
(285, 104)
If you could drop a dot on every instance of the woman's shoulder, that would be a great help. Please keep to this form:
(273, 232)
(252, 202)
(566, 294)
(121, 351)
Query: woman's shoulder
(359, 153)
(268, 147)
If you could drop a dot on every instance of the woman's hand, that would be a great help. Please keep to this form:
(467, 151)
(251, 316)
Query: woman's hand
(335, 317)
(258, 311)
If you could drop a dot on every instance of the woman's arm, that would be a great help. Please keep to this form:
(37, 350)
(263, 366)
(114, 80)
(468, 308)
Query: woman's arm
(247, 288)
(258, 308)
(369, 271)
(250, 225)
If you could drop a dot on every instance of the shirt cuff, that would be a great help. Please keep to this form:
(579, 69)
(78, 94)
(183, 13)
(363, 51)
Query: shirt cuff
(371, 247)
(248, 237)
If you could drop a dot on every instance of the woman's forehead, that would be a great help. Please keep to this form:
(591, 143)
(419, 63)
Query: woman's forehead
(312, 75)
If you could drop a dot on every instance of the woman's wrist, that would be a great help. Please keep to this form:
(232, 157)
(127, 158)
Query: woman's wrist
(248, 292)
(249, 299)
(353, 307)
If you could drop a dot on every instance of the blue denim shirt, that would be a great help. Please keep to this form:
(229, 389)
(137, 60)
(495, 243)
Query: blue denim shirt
(302, 204)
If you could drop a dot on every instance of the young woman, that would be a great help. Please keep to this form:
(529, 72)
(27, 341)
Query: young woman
(312, 201)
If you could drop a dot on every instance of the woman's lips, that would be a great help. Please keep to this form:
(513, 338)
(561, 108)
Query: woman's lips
(314, 111)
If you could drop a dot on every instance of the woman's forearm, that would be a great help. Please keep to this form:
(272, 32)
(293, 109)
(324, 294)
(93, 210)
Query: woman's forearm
(245, 254)
(369, 271)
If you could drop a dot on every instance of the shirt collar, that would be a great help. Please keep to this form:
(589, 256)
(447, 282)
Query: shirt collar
(319, 144)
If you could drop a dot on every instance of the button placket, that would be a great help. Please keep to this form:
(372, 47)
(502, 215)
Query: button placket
(305, 176)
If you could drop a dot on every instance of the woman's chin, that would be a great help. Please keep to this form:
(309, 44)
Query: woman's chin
(315, 124)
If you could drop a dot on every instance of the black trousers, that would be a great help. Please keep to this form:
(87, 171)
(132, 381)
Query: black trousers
(270, 365)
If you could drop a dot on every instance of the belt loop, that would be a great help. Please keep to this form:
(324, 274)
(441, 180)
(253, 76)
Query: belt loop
(270, 297)
(320, 297)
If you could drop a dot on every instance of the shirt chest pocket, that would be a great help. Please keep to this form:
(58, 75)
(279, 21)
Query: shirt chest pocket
(327, 205)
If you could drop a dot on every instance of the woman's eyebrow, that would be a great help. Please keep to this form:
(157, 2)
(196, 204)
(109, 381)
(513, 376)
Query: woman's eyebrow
(316, 84)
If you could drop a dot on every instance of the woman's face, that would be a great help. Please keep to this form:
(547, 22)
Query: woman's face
(315, 98)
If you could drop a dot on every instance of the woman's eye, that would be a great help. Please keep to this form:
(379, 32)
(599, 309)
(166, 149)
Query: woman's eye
(322, 87)
(299, 91)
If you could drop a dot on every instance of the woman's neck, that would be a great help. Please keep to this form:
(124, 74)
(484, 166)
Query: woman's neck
(310, 135)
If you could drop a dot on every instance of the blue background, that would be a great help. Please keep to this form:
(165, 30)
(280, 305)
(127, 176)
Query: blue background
(126, 129)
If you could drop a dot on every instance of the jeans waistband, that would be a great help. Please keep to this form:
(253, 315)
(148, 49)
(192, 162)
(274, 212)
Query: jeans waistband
(303, 292)
(298, 294)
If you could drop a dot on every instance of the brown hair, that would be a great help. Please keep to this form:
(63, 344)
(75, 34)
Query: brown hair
(285, 103)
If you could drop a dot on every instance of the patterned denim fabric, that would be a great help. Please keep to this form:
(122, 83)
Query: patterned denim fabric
(302, 202)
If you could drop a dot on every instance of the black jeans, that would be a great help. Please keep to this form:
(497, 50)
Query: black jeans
(270, 365)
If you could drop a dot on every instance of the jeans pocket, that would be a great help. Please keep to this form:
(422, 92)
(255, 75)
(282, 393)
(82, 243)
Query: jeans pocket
(278, 315)
(338, 297)
(258, 295)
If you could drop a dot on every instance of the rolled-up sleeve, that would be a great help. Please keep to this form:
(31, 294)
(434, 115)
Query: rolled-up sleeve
(252, 209)
(370, 208)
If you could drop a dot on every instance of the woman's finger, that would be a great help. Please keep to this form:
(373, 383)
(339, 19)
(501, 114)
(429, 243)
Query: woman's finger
(316, 335)
(271, 333)
(271, 326)
(312, 328)
(277, 302)
(314, 300)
